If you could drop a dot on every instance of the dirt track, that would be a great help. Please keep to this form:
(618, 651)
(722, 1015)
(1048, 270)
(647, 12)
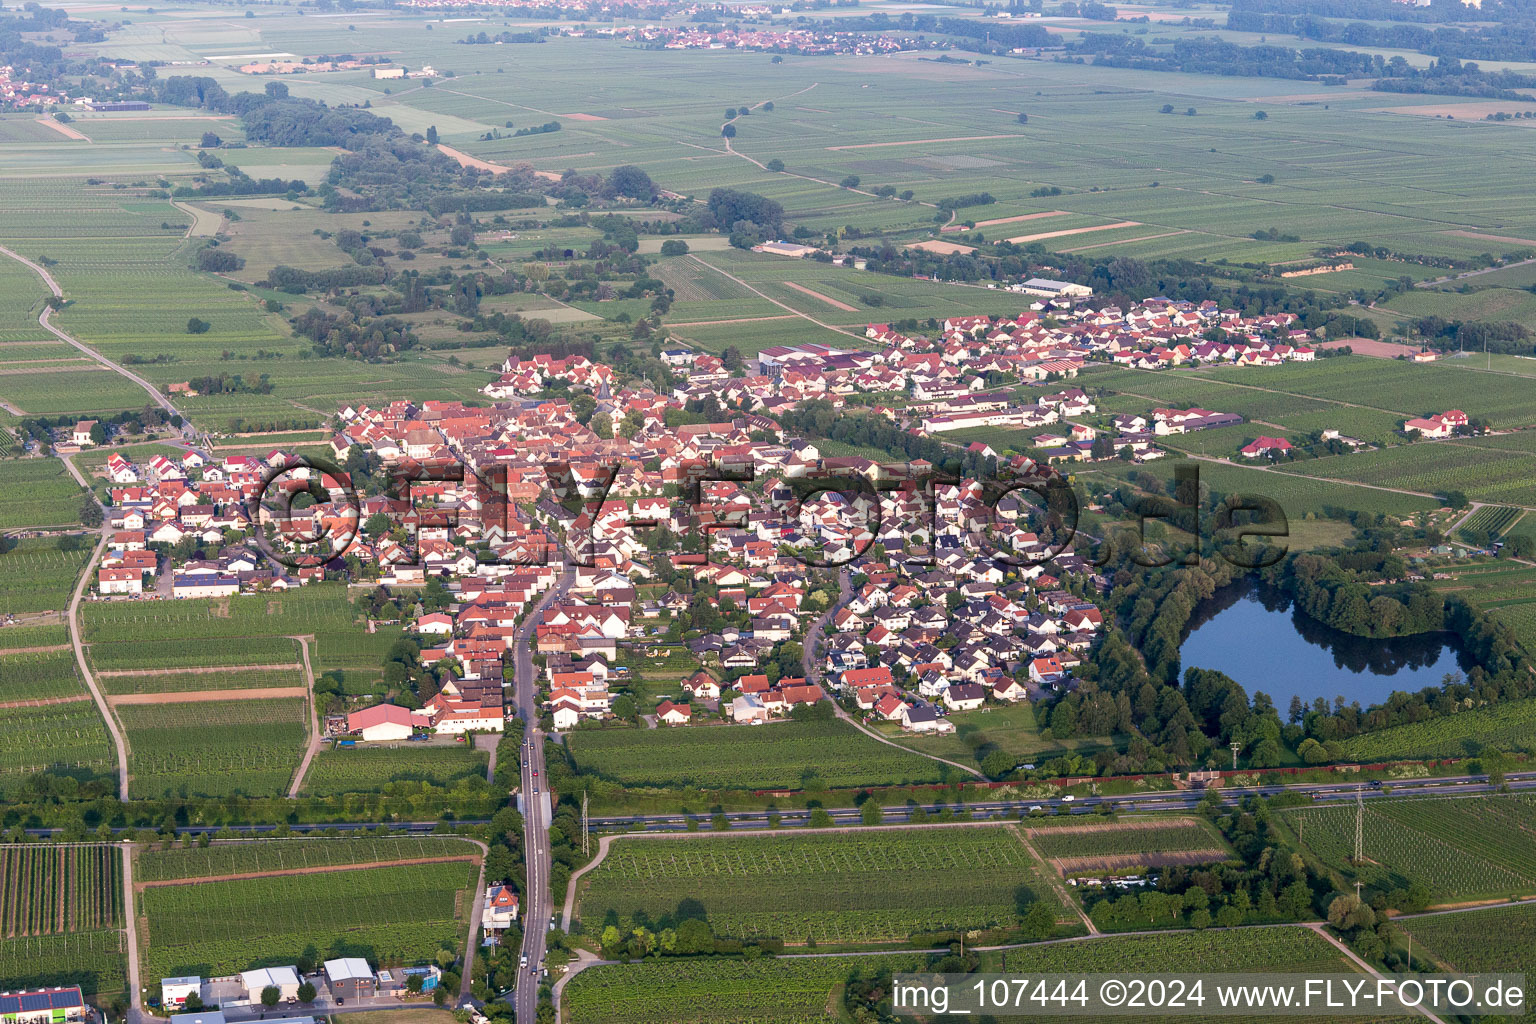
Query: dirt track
(465, 160)
(802, 289)
(197, 696)
(919, 142)
(1025, 239)
(318, 870)
(201, 670)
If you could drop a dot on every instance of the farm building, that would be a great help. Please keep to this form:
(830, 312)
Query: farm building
(117, 105)
(42, 1006)
(349, 978)
(284, 979)
(381, 722)
(174, 991)
(1055, 289)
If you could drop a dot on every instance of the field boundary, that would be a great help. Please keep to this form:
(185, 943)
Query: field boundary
(198, 696)
(319, 869)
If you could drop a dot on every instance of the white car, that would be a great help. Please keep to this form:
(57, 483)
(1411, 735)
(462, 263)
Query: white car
(524, 961)
(1068, 798)
(1036, 807)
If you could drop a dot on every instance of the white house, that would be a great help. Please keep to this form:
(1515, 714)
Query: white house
(500, 911)
(381, 722)
(284, 979)
(964, 697)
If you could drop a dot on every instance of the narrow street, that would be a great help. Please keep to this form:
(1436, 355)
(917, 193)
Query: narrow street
(537, 910)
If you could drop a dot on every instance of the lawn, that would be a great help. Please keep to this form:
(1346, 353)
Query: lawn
(1011, 728)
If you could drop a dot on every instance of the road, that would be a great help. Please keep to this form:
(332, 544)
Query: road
(73, 618)
(313, 747)
(472, 942)
(1168, 800)
(43, 318)
(537, 910)
(131, 934)
(811, 666)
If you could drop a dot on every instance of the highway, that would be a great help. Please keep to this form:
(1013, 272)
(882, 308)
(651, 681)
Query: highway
(1168, 800)
(537, 909)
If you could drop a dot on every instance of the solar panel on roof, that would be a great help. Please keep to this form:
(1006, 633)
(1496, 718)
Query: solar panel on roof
(36, 1001)
(10, 1004)
(65, 998)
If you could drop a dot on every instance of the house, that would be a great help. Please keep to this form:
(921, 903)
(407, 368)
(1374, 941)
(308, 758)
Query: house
(1442, 425)
(1046, 670)
(382, 722)
(748, 708)
(43, 1006)
(964, 697)
(1009, 689)
(923, 719)
(500, 911)
(668, 713)
(349, 978)
(436, 622)
(174, 991)
(1262, 446)
(213, 585)
(284, 979)
(702, 686)
(120, 581)
(565, 713)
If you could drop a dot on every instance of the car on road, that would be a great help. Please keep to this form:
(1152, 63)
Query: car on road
(1036, 807)
(1068, 798)
(524, 961)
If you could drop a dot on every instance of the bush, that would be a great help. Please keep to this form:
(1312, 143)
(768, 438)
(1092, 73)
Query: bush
(674, 247)
(197, 326)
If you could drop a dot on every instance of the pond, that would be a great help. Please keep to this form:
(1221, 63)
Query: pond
(1253, 634)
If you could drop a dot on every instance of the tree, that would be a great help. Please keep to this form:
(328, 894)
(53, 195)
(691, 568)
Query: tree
(871, 813)
(674, 247)
(307, 992)
(820, 818)
(775, 165)
(633, 182)
(1039, 922)
(90, 512)
(729, 131)
(1023, 119)
(413, 984)
(197, 326)
(432, 135)
(210, 141)
(1167, 108)
(271, 996)
(1260, 116)
(851, 181)
(730, 112)
(1455, 499)
(1190, 112)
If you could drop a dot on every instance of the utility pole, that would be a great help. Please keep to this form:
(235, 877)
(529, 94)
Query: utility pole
(586, 825)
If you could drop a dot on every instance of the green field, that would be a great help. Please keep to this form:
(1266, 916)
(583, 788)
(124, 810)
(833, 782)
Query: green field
(248, 855)
(295, 613)
(808, 990)
(390, 915)
(41, 675)
(384, 769)
(1495, 939)
(827, 887)
(219, 748)
(66, 739)
(1508, 726)
(221, 679)
(60, 907)
(787, 755)
(36, 576)
(149, 655)
(37, 492)
(1459, 848)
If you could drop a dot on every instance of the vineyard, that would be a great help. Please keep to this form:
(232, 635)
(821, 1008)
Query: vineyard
(96, 961)
(378, 769)
(1493, 519)
(148, 655)
(776, 756)
(295, 613)
(216, 748)
(831, 887)
(48, 890)
(183, 682)
(243, 856)
(1497, 939)
(36, 576)
(37, 492)
(1076, 850)
(39, 676)
(807, 991)
(53, 736)
(1510, 726)
(1460, 849)
(390, 915)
